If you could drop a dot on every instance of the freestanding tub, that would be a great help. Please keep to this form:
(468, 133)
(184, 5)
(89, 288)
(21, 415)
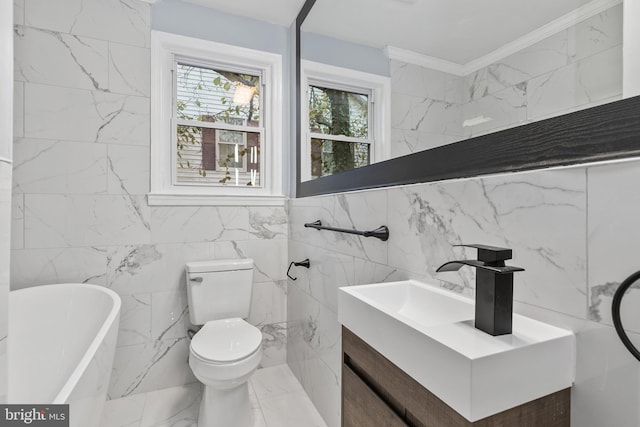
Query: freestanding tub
(62, 340)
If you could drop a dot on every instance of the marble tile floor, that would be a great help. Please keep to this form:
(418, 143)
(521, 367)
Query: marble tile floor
(277, 400)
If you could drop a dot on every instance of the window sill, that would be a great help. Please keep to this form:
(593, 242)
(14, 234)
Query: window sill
(154, 199)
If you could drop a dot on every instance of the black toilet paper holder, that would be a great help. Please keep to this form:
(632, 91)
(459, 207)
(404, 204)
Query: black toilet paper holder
(304, 263)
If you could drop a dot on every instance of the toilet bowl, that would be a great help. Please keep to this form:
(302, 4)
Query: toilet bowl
(223, 355)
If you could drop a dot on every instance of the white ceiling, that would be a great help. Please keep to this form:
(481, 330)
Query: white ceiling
(453, 30)
(281, 12)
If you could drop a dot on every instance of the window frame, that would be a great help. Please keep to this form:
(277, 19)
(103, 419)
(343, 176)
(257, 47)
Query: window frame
(329, 76)
(166, 49)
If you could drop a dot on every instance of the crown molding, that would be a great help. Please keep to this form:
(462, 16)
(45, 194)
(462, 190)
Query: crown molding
(424, 60)
(566, 21)
(562, 23)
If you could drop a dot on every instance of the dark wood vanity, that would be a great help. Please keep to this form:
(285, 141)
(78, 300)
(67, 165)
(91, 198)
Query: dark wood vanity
(376, 393)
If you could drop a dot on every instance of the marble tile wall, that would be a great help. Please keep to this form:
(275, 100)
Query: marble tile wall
(571, 70)
(574, 231)
(81, 174)
(5, 231)
(6, 137)
(426, 108)
(574, 69)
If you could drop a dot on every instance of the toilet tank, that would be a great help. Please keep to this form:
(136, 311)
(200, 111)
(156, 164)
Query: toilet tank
(219, 289)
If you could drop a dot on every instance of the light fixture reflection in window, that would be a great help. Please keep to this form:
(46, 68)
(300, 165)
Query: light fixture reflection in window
(243, 94)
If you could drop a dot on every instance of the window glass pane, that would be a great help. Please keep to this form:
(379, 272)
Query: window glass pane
(210, 95)
(217, 157)
(338, 112)
(229, 155)
(231, 136)
(329, 157)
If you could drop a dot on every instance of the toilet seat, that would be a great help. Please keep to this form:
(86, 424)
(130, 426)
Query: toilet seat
(226, 341)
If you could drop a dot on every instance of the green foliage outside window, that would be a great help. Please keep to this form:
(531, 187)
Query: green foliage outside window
(338, 112)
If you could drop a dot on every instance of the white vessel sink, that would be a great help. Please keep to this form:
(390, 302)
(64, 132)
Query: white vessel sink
(428, 332)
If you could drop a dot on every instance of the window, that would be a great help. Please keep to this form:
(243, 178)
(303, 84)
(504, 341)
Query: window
(216, 123)
(344, 119)
(339, 130)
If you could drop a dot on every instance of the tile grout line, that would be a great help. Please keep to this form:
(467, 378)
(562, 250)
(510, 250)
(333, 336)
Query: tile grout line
(259, 402)
(144, 406)
(587, 267)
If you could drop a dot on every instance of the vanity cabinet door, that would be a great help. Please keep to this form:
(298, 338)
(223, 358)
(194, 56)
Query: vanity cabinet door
(361, 407)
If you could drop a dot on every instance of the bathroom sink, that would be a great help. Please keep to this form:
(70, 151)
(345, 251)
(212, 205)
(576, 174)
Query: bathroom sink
(428, 332)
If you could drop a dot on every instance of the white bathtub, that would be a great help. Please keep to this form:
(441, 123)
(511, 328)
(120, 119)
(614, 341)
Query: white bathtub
(62, 340)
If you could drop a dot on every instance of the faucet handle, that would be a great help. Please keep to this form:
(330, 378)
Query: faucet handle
(490, 254)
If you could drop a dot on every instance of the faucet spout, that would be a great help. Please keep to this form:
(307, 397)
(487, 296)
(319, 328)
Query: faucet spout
(455, 266)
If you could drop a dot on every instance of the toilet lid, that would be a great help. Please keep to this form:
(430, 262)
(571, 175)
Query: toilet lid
(226, 340)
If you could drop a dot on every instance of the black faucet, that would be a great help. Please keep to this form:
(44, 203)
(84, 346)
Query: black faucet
(494, 288)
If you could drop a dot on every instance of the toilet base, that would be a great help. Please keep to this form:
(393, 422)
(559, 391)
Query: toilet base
(226, 407)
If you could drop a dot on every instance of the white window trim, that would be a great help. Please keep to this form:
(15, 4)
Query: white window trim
(164, 46)
(380, 87)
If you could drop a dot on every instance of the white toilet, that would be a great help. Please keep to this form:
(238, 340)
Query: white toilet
(227, 350)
